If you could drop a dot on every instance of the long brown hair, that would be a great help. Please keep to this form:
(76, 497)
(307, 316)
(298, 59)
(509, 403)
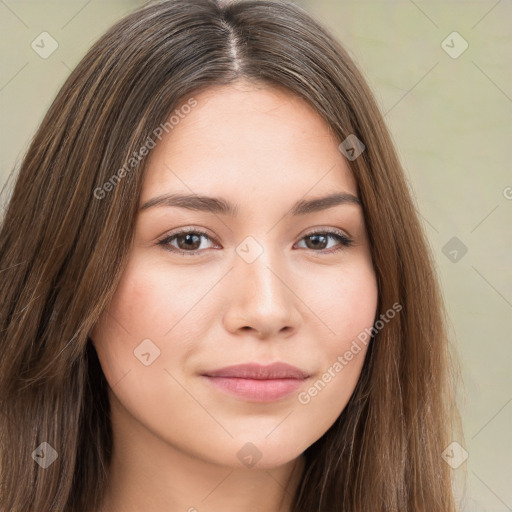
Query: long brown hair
(66, 235)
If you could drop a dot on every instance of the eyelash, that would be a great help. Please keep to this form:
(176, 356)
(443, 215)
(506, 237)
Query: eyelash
(338, 235)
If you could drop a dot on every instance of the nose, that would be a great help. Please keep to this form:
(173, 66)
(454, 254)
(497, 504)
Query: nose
(261, 298)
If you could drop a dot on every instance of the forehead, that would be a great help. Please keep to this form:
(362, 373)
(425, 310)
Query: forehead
(251, 139)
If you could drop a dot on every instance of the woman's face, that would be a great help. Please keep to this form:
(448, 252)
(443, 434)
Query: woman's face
(258, 287)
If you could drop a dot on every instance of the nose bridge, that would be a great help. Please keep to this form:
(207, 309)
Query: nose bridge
(260, 296)
(258, 265)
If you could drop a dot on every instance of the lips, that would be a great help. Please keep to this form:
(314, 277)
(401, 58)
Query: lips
(260, 372)
(257, 383)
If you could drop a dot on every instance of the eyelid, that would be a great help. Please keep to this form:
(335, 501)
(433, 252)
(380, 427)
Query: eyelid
(186, 229)
(327, 230)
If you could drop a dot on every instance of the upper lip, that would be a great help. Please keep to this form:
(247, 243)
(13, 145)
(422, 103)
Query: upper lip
(261, 372)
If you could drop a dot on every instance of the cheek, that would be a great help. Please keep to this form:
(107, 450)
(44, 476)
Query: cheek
(150, 300)
(139, 303)
(344, 301)
(347, 305)
(130, 318)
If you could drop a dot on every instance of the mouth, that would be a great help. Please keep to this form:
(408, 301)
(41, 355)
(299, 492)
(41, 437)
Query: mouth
(257, 383)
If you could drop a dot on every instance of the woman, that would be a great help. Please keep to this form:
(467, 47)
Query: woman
(294, 357)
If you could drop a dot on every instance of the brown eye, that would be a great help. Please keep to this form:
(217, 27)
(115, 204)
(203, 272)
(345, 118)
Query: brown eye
(187, 242)
(319, 240)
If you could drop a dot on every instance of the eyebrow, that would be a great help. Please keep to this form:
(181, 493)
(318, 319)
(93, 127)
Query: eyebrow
(218, 205)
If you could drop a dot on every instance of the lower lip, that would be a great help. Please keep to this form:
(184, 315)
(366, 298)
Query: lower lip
(257, 390)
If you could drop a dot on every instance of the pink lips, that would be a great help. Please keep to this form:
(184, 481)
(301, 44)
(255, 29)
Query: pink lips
(258, 383)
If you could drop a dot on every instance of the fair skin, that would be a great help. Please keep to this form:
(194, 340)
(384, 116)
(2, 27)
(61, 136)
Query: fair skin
(177, 438)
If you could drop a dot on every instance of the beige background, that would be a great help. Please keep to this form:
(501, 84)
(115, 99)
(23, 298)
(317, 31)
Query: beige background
(451, 119)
